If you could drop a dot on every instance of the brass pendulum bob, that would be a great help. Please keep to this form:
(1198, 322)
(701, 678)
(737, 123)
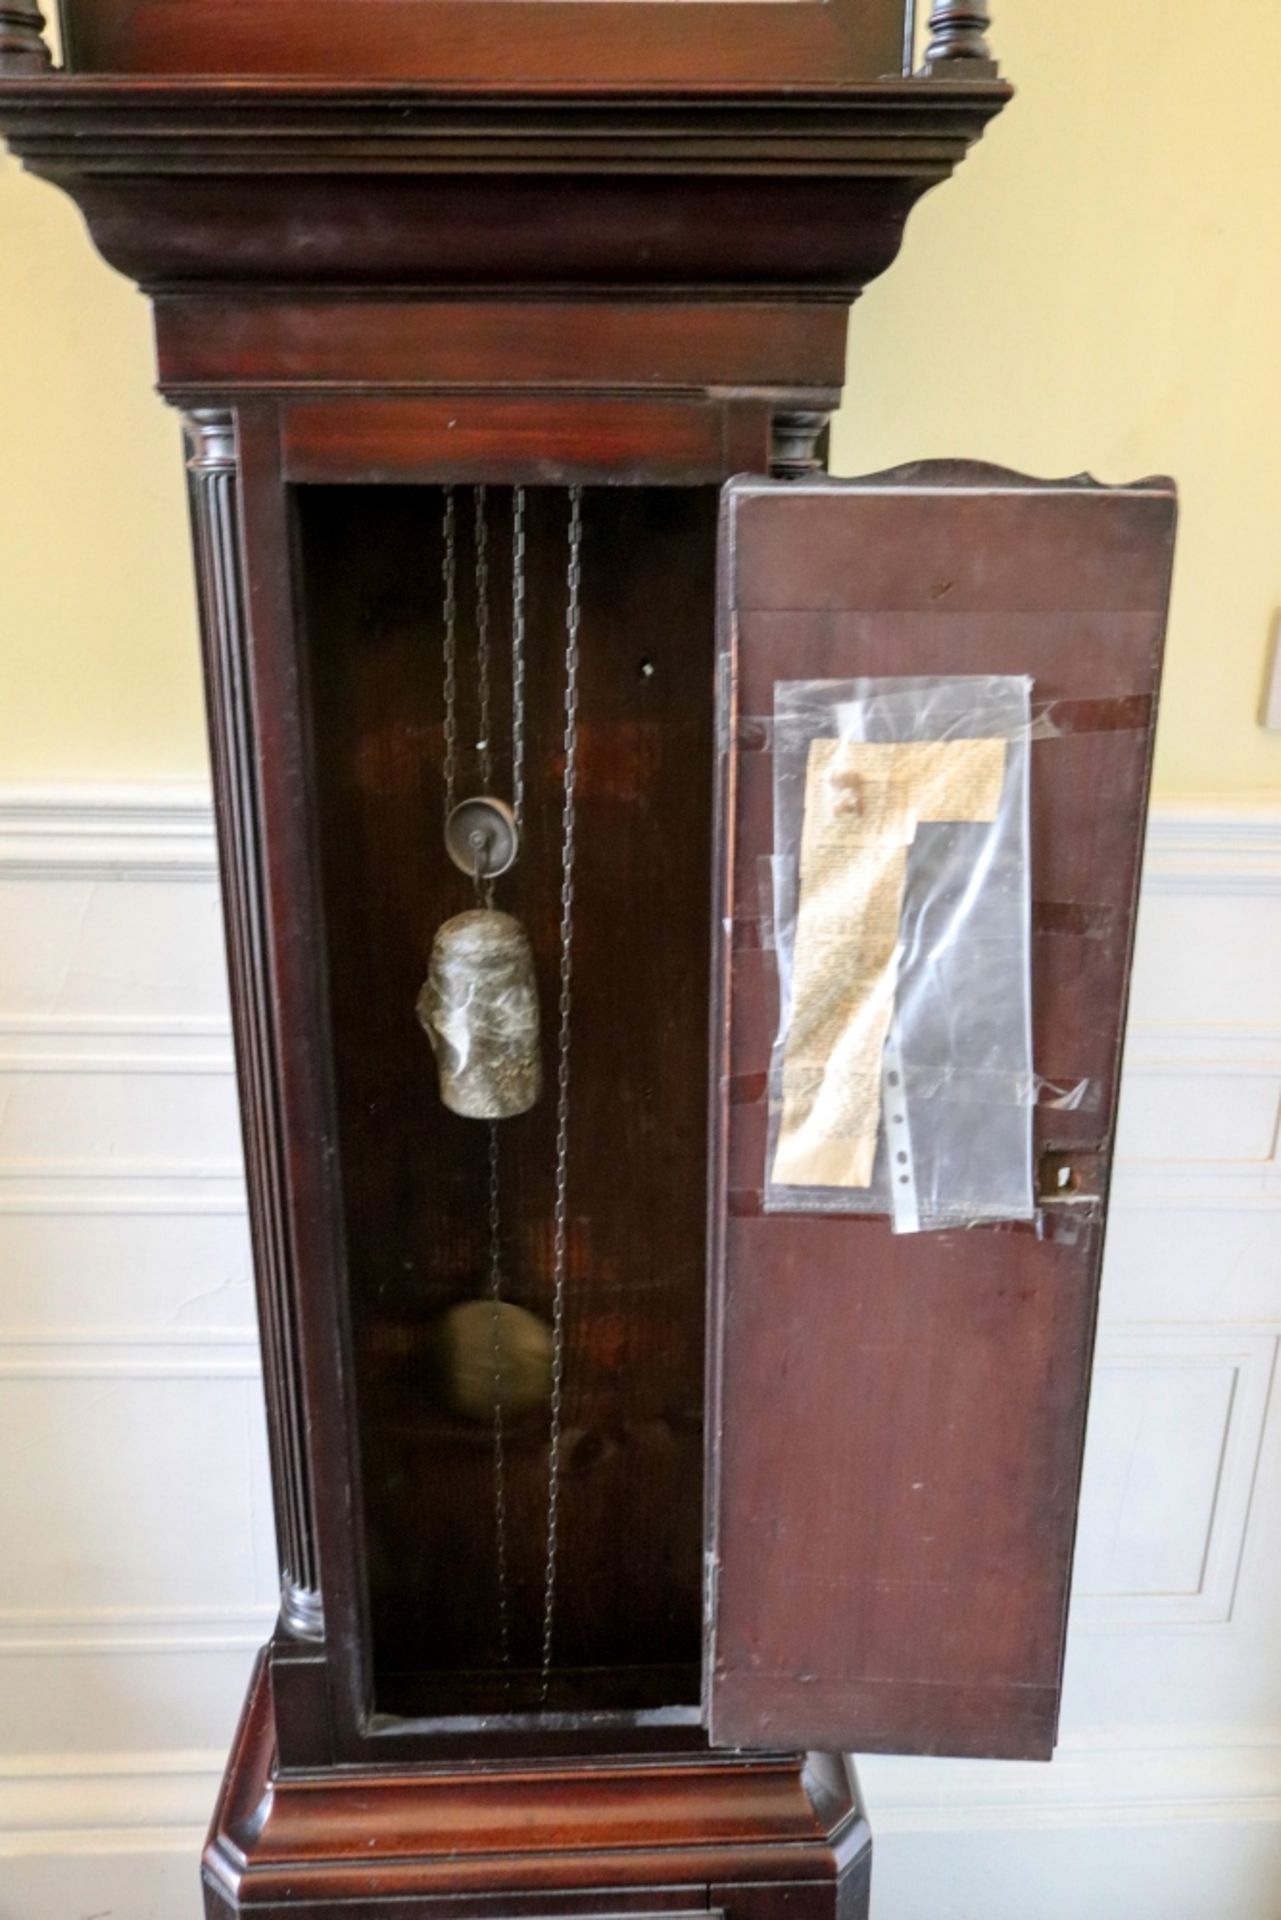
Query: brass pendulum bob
(479, 1006)
(490, 1355)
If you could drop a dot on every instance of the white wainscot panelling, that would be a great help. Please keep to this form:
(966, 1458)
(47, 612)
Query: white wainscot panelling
(159, 1127)
(136, 1485)
(115, 1089)
(135, 1508)
(1192, 1286)
(115, 1443)
(134, 1501)
(112, 946)
(1209, 950)
(1176, 1425)
(183, 1687)
(67, 1275)
(1174, 1114)
(1200, 1108)
(1102, 1859)
(1177, 1262)
(1201, 1101)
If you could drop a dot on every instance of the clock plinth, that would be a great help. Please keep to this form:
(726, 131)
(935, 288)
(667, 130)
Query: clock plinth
(677, 1834)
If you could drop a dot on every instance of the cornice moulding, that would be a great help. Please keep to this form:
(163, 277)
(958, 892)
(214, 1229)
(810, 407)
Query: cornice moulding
(797, 189)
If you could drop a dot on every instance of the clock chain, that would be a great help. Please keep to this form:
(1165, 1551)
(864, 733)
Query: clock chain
(484, 888)
(449, 584)
(499, 1426)
(560, 1212)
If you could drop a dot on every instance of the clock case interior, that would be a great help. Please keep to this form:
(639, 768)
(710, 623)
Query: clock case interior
(414, 1177)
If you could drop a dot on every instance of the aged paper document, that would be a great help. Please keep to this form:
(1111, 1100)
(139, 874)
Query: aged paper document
(863, 803)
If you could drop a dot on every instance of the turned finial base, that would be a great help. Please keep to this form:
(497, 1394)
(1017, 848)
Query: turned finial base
(958, 45)
(22, 43)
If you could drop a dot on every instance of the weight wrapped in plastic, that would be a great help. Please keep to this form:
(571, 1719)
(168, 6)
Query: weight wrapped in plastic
(479, 1006)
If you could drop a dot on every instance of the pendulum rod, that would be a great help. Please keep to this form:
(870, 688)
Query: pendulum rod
(560, 1215)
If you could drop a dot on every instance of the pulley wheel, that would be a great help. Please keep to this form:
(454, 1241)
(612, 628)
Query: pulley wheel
(481, 837)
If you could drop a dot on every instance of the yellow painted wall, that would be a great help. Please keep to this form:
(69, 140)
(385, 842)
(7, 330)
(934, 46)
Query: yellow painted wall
(1100, 287)
(99, 678)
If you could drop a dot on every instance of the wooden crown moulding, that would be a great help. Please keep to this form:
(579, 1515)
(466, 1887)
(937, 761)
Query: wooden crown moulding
(193, 184)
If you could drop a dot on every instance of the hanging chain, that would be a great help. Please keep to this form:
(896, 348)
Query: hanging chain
(450, 585)
(560, 1215)
(496, 1356)
(518, 656)
(484, 745)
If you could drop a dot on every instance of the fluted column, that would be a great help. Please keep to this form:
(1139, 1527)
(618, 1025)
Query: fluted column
(22, 44)
(958, 40)
(211, 463)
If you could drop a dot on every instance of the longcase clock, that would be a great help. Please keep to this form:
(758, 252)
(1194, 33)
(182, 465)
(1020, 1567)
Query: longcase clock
(621, 1487)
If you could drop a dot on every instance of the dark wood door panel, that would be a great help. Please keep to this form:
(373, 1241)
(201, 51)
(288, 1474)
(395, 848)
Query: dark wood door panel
(995, 552)
(898, 1420)
(919, 1389)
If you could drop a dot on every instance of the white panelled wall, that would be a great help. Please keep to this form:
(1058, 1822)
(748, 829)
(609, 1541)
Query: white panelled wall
(137, 1570)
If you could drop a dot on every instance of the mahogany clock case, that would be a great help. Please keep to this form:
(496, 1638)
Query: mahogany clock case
(888, 1506)
(819, 1480)
(974, 1388)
